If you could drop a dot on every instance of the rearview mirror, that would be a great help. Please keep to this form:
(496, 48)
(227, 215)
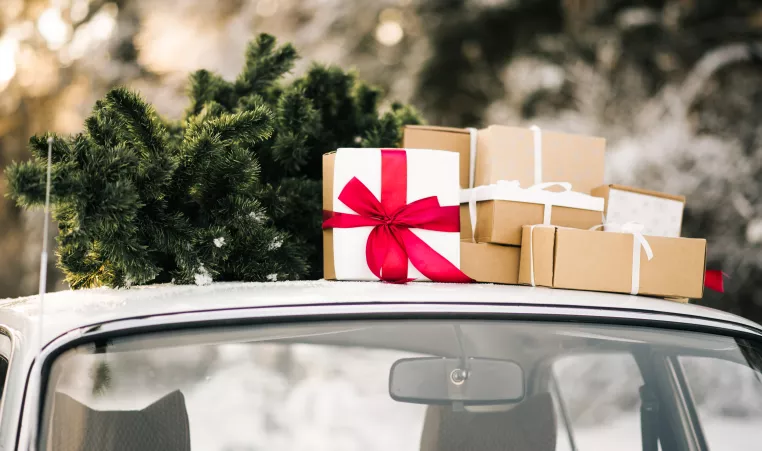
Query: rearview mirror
(438, 380)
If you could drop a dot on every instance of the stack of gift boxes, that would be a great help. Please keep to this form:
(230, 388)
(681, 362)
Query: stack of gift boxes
(504, 205)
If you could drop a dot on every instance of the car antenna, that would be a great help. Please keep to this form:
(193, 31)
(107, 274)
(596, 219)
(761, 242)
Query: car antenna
(44, 253)
(35, 419)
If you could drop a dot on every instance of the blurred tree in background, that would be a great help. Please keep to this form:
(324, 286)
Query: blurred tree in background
(674, 86)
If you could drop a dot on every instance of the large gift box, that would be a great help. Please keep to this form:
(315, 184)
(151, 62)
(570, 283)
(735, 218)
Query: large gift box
(528, 155)
(496, 213)
(391, 214)
(661, 214)
(618, 262)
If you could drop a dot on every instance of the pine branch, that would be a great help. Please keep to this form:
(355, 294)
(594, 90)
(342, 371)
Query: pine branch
(26, 183)
(140, 119)
(208, 87)
(264, 64)
(232, 192)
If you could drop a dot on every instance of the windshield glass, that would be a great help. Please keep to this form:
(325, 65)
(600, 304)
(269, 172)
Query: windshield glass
(343, 386)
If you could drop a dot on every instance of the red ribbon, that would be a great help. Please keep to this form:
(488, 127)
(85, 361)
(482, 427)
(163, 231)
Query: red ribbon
(713, 279)
(391, 243)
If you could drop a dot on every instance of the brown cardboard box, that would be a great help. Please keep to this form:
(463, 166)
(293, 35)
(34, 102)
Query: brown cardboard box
(602, 261)
(535, 255)
(441, 138)
(661, 214)
(507, 153)
(492, 263)
(500, 221)
(329, 272)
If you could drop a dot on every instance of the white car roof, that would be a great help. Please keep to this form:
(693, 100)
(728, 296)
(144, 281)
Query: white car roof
(68, 310)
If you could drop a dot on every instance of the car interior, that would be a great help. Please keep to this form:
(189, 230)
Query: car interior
(487, 417)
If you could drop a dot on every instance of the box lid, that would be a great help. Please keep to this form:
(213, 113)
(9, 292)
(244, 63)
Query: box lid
(648, 192)
(436, 128)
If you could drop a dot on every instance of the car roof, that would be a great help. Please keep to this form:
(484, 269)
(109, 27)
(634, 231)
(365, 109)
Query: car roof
(69, 310)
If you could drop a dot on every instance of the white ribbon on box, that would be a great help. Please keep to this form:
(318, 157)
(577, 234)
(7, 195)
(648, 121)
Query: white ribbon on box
(638, 242)
(537, 136)
(535, 194)
(531, 252)
(472, 156)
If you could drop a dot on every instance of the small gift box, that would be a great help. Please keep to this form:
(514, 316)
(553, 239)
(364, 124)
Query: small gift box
(530, 156)
(496, 213)
(391, 214)
(661, 214)
(624, 261)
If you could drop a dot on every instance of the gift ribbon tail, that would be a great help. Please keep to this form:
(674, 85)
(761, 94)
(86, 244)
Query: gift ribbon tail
(429, 262)
(713, 279)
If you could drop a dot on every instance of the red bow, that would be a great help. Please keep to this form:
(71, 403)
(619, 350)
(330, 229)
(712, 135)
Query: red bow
(391, 243)
(713, 279)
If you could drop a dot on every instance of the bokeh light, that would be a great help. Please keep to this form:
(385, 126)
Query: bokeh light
(389, 31)
(79, 10)
(8, 50)
(267, 8)
(53, 28)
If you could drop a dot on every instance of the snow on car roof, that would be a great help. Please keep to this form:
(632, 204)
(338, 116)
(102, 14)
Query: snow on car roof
(69, 310)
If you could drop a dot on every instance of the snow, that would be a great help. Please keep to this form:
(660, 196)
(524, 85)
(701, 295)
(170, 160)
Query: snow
(276, 243)
(202, 277)
(219, 242)
(272, 277)
(258, 217)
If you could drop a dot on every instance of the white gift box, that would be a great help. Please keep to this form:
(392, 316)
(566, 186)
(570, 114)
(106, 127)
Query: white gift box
(429, 173)
(660, 214)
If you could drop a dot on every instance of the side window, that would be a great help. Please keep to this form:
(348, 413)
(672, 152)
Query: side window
(5, 355)
(597, 402)
(728, 400)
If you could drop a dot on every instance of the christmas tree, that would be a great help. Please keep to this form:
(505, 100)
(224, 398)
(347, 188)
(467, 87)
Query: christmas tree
(232, 192)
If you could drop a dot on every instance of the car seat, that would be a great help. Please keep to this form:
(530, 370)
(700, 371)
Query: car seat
(529, 426)
(162, 426)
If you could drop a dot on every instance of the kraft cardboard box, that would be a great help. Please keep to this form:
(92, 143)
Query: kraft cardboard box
(441, 138)
(501, 222)
(508, 153)
(602, 261)
(660, 214)
(329, 271)
(491, 263)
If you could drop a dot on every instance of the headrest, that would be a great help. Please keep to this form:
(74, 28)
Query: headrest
(161, 426)
(530, 426)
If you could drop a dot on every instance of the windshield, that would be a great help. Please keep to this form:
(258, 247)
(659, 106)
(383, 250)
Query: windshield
(366, 386)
